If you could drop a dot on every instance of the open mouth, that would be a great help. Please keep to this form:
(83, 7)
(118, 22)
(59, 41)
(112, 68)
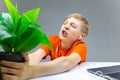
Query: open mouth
(64, 33)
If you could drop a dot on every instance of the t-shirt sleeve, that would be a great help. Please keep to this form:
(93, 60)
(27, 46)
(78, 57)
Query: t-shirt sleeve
(45, 48)
(81, 49)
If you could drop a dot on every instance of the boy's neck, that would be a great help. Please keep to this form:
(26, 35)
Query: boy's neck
(65, 45)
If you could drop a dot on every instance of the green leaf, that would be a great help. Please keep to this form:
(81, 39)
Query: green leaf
(7, 21)
(0, 17)
(1, 20)
(6, 44)
(14, 14)
(24, 24)
(32, 14)
(29, 40)
(5, 34)
(6, 40)
(45, 41)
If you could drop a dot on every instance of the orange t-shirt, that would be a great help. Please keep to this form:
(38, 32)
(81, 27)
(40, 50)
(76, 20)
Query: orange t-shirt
(78, 46)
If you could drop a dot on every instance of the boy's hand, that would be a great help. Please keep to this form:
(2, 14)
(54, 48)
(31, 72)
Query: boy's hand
(14, 70)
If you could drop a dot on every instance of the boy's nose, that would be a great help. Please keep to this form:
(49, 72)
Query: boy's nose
(66, 27)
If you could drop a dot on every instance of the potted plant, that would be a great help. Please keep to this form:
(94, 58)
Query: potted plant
(20, 33)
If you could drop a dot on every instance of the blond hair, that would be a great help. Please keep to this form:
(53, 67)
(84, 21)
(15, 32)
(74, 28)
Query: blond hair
(85, 25)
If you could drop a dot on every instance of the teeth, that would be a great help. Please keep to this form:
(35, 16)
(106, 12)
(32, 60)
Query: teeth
(63, 32)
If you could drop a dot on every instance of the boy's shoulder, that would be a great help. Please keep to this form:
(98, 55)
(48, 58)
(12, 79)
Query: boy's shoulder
(53, 37)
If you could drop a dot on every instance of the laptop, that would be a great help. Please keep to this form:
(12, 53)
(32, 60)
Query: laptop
(109, 72)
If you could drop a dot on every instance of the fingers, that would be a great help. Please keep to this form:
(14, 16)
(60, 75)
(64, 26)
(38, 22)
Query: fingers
(15, 74)
(12, 71)
(11, 77)
(15, 64)
(25, 56)
(11, 64)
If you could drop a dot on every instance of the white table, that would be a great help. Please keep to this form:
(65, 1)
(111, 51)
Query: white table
(79, 72)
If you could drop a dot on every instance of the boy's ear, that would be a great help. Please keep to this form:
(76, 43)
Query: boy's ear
(82, 36)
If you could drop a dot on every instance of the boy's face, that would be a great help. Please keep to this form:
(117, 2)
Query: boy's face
(70, 30)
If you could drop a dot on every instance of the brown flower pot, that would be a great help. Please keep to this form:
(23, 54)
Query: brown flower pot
(6, 57)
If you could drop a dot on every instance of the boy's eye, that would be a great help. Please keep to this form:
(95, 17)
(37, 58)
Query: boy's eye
(73, 25)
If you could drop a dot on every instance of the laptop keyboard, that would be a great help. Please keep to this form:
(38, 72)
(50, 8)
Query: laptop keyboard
(115, 75)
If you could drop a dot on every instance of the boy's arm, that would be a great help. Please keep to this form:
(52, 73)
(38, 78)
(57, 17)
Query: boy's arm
(58, 65)
(35, 57)
(23, 71)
